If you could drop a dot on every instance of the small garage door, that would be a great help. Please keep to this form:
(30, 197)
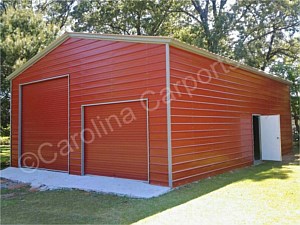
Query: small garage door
(116, 140)
(45, 124)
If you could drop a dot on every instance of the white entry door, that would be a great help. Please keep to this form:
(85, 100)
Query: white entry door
(270, 138)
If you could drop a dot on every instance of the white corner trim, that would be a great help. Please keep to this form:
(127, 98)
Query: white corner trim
(168, 89)
(10, 120)
(20, 127)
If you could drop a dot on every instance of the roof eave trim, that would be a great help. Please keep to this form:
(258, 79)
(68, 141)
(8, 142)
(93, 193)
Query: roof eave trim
(222, 59)
(127, 38)
(38, 56)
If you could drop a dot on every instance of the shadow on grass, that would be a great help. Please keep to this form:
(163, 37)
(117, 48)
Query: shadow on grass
(272, 172)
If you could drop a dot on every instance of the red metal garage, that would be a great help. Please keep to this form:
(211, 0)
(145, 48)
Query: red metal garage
(146, 108)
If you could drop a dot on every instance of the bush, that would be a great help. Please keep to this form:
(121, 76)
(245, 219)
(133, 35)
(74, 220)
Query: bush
(4, 140)
(5, 131)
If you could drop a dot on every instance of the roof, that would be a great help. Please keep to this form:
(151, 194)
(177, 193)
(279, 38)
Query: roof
(142, 39)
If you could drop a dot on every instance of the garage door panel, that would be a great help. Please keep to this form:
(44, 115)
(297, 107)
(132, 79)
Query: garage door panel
(119, 147)
(45, 124)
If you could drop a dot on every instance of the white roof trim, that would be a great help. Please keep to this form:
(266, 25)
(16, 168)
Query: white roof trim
(127, 38)
(142, 39)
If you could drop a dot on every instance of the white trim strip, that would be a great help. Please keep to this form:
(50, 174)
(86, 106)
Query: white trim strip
(45, 79)
(69, 124)
(117, 37)
(108, 103)
(10, 121)
(116, 102)
(169, 129)
(20, 127)
(82, 140)
(148, 140)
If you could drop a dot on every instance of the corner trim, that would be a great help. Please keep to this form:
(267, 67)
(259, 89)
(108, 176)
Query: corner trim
(169, 130)
(20, 128)
(10, 121)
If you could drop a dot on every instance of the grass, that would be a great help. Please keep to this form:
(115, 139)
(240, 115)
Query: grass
(263, 194)
(4, 140)
(5, 156)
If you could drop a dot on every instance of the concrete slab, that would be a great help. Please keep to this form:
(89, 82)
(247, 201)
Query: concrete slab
(58, 180)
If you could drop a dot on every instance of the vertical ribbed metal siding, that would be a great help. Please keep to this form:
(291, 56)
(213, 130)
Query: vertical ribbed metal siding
(104, 71)
(212, 126)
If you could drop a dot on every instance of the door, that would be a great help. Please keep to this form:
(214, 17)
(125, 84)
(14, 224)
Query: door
(256, 138)
(270, 137)
(44, 124)
(115, 140)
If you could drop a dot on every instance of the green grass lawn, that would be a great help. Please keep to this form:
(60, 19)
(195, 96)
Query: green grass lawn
(269, 192)
(5, 156)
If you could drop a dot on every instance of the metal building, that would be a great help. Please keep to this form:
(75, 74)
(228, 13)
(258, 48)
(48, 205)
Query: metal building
(145, 108)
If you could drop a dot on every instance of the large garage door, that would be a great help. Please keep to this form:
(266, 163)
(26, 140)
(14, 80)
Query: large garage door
(45, 124)
(116, 140)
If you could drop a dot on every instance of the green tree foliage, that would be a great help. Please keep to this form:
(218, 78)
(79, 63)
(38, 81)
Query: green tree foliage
(144, 17)
(291, 71)
(266, 31)
(56, 12)
(211, 23)
(23, 34)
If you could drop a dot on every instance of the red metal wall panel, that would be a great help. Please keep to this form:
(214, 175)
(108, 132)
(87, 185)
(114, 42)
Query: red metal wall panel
(116, 140)
(45, 105)
(211, 112)
(211, 121)
(105, 71)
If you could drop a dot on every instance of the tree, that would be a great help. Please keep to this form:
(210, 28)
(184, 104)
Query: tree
(23, 34)
(56, 12)
(211, 22)
(291, 71)
(266, 31)
(144, 17)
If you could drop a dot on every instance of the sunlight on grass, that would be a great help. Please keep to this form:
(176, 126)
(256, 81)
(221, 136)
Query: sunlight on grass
(268, 197)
